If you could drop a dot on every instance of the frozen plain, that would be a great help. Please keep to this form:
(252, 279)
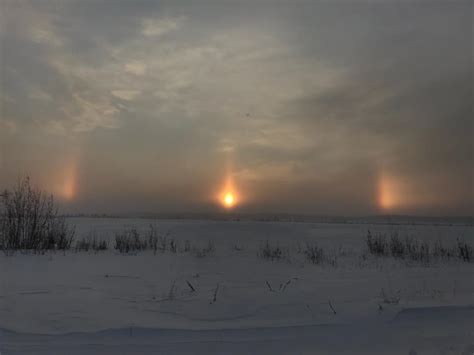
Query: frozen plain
(109, 303)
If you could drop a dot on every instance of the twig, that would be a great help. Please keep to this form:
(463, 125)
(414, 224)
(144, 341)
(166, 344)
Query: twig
(330, 305)
(284, 287)
(269, 286)
(191, 286)
(215, 294)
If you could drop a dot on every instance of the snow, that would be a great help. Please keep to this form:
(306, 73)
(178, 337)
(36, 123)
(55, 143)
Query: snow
(108, 303)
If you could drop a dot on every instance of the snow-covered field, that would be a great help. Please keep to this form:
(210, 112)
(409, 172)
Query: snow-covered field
(232, 301)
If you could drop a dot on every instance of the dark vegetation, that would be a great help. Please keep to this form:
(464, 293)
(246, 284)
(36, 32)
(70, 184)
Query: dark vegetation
(407, 249)
(130, 240)
(412, 249)
(272, 252)
(91, 243)
(29, 221)
(314, 253)
(311, 252)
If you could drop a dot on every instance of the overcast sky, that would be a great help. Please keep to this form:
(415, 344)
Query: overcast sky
(320, 107)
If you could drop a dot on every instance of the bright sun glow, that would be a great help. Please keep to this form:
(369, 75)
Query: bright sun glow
(229, 200)
(227, 194)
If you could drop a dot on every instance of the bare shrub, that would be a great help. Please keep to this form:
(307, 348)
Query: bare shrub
(173, 246)
(377, 244)
(314, 254)
(129, 240)
(271, 252)
(153, 239)
(30, 221)
(465, 251)
(91, 242)
(331, 259)
(162, 242)
(416, 250)
(409, 248)
(397, 247)
(412, 249)
(442, 252)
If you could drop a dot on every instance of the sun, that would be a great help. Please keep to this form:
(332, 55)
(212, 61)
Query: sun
(227, 195)
(229, 200)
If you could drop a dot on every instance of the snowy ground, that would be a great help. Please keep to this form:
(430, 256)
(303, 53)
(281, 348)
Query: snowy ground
(107, 303)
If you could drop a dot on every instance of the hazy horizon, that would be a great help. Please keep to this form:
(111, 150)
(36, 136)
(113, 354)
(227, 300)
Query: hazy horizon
(307, 107)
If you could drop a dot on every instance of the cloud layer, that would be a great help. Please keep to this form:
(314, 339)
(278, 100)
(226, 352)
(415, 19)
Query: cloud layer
(313, 107)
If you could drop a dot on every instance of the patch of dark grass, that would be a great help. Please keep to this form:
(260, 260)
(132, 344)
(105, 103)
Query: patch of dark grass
(91, 243)
(414, 250)
(377, 244)
(465, 251)
(314, 254)
(271, 252)
(129, 240)
(153, 238)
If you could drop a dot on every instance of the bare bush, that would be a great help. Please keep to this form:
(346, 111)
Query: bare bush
(162, 242)
(91, 242)
(416, 250)
(153, 239)
(173, 246)
(442, 252)
(129, 240)
(314, 254)
(397, 247)
(465, 251)
(408, 248)
(30, 221)
(271, 252)
(412, 249)
(377, 244)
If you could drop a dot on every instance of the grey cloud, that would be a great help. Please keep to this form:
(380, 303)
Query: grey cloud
(337, 94)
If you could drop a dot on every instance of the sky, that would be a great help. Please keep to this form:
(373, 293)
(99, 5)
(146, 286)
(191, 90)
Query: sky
(315, 107)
